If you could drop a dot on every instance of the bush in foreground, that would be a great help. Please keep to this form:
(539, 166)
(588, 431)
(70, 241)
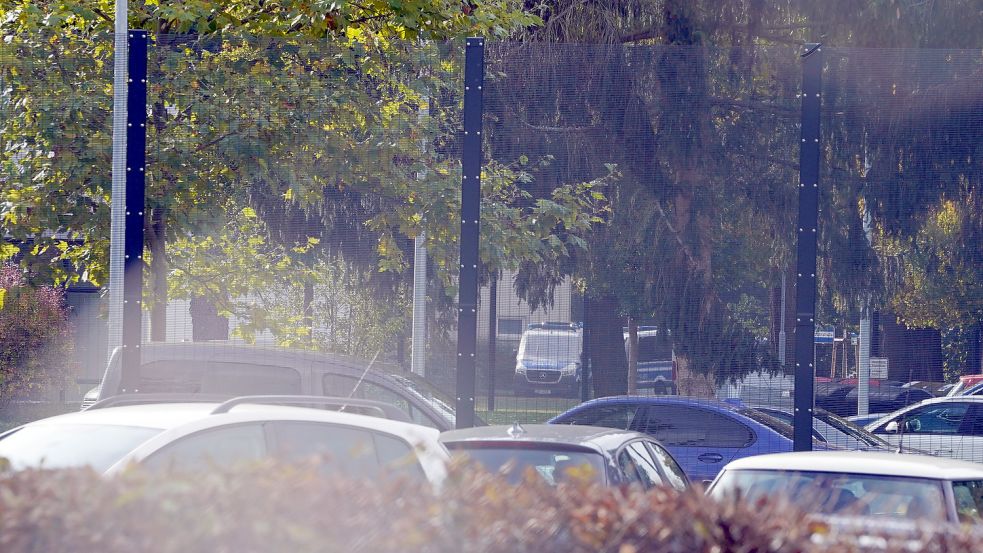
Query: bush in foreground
(269, 507)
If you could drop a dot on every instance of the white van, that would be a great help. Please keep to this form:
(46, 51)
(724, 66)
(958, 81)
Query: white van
(548, 360)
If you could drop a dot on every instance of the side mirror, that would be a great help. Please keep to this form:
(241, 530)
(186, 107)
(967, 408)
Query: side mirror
(892, 427)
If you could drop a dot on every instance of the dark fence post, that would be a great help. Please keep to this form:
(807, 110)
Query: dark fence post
(136, 146)
(805, 283)
(467, 313)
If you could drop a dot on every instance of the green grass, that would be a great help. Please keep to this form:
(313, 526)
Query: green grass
(529, 410)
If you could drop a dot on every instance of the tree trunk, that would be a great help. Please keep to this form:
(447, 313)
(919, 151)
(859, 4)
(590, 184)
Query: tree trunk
(206, 324)
(609, 364)
(632, 356)
(309, 311)
(974, 360)
(158, 269)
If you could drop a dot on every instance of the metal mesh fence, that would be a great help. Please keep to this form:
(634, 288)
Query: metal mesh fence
(901, 230)
(682, 145)
(637, 237)
(286, 183)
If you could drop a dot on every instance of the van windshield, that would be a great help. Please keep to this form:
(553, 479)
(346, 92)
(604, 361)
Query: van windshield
(563, 347)
(653, 348)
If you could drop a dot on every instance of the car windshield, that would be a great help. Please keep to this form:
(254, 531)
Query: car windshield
(55, 446)
(771, 422)
(562, 347)
(551, 464)
(851, 429)
(839, 493)
(426, 393)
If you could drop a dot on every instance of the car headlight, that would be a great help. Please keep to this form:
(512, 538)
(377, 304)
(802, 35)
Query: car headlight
(520, 368)
(570, 369)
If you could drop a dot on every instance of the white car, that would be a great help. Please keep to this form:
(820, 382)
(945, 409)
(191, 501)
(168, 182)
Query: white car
(190, 436)
(945, 426)
(861, 484)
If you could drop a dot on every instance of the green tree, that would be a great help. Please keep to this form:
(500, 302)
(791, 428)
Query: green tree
(697, 101)
(304, 115)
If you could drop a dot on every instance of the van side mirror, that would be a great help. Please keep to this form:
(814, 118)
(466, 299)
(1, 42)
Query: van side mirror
(892, 427)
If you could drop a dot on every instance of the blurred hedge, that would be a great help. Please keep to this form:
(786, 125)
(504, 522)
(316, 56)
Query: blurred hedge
(268, 507)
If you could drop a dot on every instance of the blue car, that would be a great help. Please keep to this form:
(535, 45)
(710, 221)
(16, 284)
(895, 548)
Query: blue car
(703, 435)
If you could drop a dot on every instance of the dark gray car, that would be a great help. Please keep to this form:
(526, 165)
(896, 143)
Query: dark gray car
(605, 455)
(231, 369)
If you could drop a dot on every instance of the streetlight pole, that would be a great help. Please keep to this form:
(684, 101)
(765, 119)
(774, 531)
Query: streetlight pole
(118, 203)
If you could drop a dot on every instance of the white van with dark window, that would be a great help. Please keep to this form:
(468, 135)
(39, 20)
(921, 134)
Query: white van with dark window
(548, 360)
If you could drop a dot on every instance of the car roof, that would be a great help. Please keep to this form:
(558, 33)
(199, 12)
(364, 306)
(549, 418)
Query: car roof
(594, 437)
(665, 400)
(167, 416)
(863, 462)
(949, 399)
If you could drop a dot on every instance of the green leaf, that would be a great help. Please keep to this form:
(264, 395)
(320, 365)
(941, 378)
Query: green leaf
(8, 250)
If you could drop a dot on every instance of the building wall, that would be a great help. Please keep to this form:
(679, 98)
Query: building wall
(514, 314)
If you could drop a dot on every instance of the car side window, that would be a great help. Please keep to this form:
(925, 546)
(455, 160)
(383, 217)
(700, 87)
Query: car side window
(217, 447)
(350, 451)
(397, 457)
(627, 465)
(939, 418)
(610, 416)
(674, 474)
(645, 464)
(684, 426)
(972, 424)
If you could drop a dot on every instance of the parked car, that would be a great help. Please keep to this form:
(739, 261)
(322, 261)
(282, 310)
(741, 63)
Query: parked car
(231, 369)
(831, 429)
(937, 389)
(864, 420)
(548, 360)
(914, 487)
(604, 455)
(974, 390)
(966, 382)
(945, 426)
(703, 435)
(841, 399)
(874, 382)
(656, 361)
(193, 436)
